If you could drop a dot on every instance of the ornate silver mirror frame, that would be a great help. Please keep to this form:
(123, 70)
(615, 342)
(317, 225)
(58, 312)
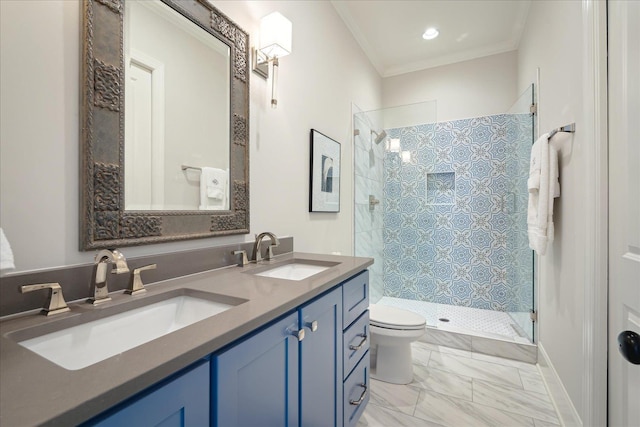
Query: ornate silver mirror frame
(104, 222)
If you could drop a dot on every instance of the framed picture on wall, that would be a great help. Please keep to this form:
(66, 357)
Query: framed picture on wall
(324, 185)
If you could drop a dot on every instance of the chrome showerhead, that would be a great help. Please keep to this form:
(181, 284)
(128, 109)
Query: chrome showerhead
(379, 136)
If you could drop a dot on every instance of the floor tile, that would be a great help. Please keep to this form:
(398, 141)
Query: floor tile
(522, 402)
(449, 411)
(476, 369)
(441, 349)
(420, 353)
(376, 416)
(400, 398)
(532, 381)
(540, 423)
(442, 382)
(523, 366)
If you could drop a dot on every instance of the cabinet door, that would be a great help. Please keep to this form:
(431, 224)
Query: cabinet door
(181, 402)
(321, 362)
(256, 381)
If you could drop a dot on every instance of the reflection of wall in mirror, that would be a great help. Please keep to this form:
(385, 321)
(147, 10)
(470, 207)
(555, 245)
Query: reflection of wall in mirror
(196, 91)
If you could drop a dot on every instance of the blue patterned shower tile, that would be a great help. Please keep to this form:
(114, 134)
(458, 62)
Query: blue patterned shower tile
(464, 246)
(409, 268)
(461, 254)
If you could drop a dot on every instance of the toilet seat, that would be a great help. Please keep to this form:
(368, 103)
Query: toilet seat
(387, 317)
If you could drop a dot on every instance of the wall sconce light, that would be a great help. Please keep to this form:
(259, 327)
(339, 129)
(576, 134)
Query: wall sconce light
(275, 42)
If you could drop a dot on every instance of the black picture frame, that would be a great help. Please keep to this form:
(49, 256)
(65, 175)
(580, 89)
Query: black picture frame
(324, 173)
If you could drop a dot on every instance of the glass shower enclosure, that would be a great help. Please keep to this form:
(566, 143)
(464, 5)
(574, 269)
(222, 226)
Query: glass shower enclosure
(441, 207)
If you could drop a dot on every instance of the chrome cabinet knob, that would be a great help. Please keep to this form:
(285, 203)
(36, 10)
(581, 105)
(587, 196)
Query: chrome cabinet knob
(299, 333)
(312, 325)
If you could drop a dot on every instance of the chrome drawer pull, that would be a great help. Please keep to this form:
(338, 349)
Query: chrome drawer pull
(359, 401)
(312, 325)
(359, 346)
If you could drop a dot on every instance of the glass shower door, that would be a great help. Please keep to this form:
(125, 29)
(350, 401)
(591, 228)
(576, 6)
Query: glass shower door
(520, 266)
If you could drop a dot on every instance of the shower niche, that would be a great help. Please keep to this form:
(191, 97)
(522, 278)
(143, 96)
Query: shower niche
(441, 188)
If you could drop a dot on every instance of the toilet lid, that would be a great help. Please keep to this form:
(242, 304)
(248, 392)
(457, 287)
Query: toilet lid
(394, 318)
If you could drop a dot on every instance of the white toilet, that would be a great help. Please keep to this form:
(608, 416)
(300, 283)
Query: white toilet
(392, 332)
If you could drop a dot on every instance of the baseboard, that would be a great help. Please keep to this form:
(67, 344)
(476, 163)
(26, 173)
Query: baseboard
(569, 417)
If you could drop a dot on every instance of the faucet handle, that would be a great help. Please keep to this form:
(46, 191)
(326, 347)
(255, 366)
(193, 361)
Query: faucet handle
(243, 259)
(55, 303)
(135, 281)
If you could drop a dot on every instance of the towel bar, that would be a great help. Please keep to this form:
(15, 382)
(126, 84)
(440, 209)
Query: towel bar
(185, 167)
(571, 128)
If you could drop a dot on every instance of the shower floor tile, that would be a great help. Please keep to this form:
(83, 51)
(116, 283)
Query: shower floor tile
(461, 319)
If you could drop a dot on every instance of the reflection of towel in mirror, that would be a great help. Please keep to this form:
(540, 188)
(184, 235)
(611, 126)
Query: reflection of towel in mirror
(213, 189)
(6, 255)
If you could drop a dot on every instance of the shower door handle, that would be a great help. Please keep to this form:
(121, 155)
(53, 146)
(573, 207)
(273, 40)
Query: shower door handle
(373, 202)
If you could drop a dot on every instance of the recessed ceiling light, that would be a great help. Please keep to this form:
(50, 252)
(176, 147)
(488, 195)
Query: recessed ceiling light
(430, 34)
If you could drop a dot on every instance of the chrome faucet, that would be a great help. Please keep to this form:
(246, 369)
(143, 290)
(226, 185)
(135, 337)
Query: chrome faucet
(136, 286)
(257, 256)
(55, 302)
(99, 279)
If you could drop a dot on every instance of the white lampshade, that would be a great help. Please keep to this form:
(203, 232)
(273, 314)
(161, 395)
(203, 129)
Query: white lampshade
(275, 35)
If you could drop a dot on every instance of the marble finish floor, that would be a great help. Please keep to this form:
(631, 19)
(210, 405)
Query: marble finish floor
(459, 388)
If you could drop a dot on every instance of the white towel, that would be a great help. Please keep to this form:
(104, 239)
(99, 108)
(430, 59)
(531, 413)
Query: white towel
(554, 190)
(6, 254)
(213, 189)
(543, 187)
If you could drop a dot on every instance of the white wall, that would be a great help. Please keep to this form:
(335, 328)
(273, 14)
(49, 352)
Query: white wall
(40, 62)
(478, 87)
(562, 271)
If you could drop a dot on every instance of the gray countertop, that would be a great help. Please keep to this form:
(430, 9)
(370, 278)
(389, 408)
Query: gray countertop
(35, 391)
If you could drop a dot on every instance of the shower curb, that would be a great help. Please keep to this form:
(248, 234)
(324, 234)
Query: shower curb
(482, 344)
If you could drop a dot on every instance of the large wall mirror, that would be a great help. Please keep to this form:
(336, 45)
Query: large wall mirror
(165, 123)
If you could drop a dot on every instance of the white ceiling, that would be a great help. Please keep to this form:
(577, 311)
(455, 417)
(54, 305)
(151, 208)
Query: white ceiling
(390, 31)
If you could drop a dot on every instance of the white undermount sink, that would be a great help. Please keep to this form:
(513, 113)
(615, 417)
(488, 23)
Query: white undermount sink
(82, 345)
(297, 270)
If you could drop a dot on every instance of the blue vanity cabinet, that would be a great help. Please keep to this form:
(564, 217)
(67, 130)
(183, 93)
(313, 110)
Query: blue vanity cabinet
(182, 401)
(321, 361)
(281, 376)
(255, 382)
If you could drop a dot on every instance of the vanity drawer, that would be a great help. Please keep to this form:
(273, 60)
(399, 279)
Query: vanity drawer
(355, 297)
(356, 341)
(356, 392)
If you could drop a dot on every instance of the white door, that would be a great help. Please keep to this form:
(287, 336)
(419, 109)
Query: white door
(624, 207)
(144, 133)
